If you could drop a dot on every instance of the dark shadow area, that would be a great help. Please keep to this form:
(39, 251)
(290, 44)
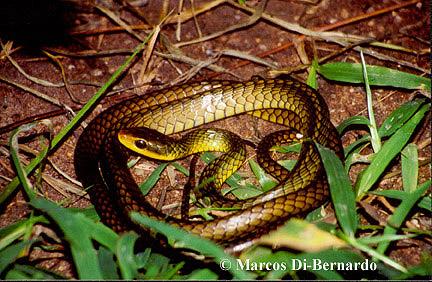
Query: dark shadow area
(35, 23)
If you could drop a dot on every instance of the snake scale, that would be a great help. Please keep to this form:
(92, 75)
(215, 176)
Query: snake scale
(101, 164)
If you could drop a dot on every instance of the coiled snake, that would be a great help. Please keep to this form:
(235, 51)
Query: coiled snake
(101, 164)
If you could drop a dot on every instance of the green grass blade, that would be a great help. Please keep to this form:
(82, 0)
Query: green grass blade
(142, 258)
(28, 272)
(292, 235)
(12, 252)
(355, 158)
(399, 117)
(21, 171)
(341, 191)
(384, 238)
(399, 215)
(242, 192)
(294, 147)
(424, 203)
(107, 264)
(353, 150)
(156, 264)
(388, 152)
(355, 145)
(391, 124)
(352, 121)
(18, 230)
(375, 138)
(201, 275)
(288, 164)
(264, 180)
(312, 76)
(160, 267)
(89, 212)
(191, 241)
(410, 167)
(101, 233)
(78, 234)
(378, 76)
(238, 190)
(170, 273)
(152, 179)
(126, 257)
(131, 163)
(180, 168)
(376, 255)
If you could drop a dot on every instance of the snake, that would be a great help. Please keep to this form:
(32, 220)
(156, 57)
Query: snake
(101, 162)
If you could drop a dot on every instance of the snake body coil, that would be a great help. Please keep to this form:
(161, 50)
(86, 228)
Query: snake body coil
(283, 101)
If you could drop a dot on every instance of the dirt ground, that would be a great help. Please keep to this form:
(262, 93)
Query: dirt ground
(83, 42)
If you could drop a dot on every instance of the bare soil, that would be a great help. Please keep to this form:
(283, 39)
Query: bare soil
(67, 29)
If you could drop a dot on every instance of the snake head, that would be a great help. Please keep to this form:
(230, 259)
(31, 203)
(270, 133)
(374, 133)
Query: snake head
(147, 142)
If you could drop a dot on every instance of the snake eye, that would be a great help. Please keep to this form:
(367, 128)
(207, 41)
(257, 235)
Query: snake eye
(141, 144)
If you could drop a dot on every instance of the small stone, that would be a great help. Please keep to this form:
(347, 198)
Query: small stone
(96, 72)
(344, 13)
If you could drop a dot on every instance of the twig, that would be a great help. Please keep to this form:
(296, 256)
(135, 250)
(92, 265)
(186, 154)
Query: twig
(148, 53)
(10, 51)
(90, 53)
(188, 14)
(194, 62)
(111, 29)
(399, 172)
(119, 21)
(164, 11)
(42, 82)
(250, 21)
(246, 56)
(195, 18)
(38, 94)
(65, 175)
(65, 81)
(137, 12)
(179, 22)
(194, 70)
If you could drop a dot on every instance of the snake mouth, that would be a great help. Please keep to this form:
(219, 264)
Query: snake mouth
(146, 142)
(126, 139)
(122, 135)
(134, 140)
